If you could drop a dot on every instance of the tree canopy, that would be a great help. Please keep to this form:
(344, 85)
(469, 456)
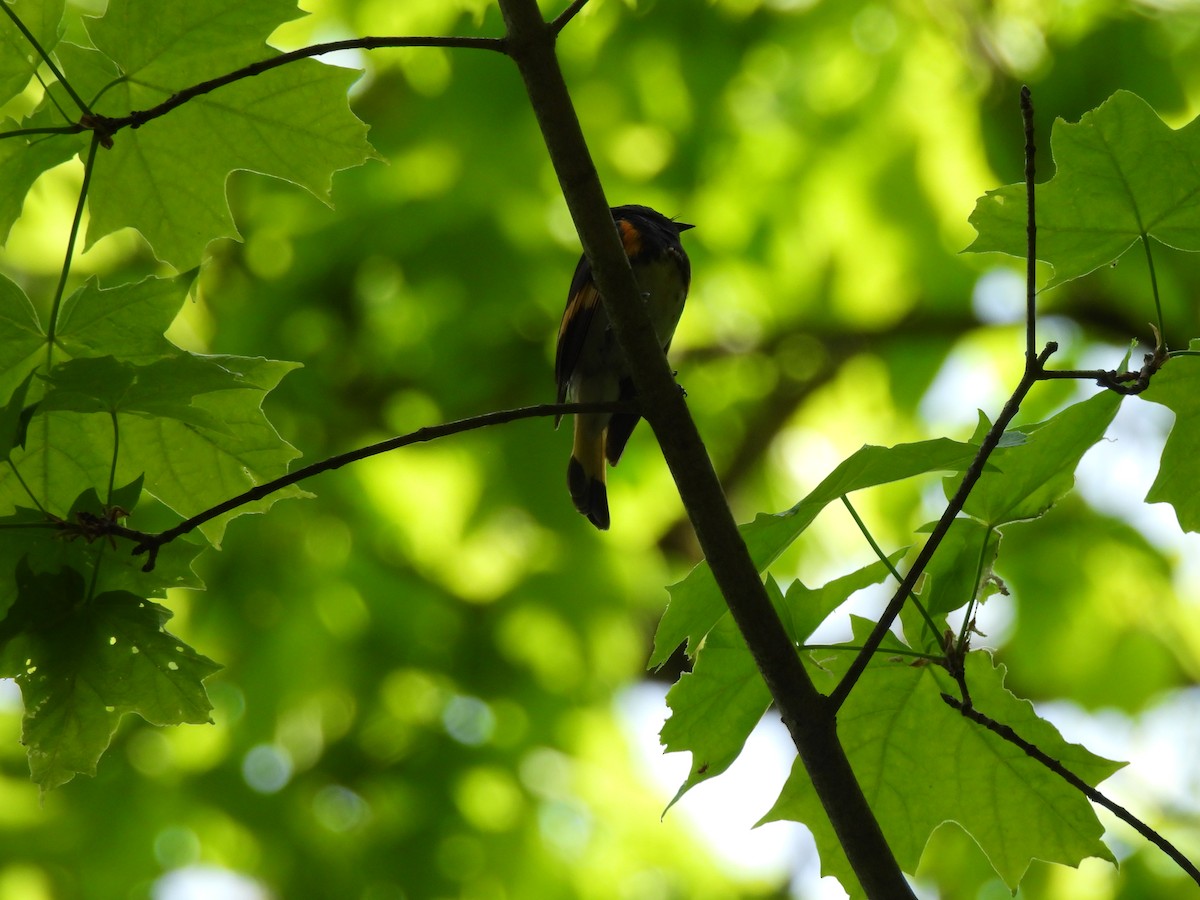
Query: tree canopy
(405, 677)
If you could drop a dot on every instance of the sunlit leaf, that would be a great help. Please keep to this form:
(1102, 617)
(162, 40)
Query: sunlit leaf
(696, 603)
(13, 418)
(18, 57)
(1121, 176)
(1025, 480)
(1177, 387)
(962, 562)
(125, 322)
(921, 763)
(198, 436)
(167, 178)
(22, 337)
(716, 706)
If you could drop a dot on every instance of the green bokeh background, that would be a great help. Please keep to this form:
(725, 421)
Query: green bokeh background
(433, 645)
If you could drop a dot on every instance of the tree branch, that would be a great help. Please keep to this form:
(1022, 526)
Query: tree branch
(1030, 232)
(804, 710)
(567, 15)
(150, 544)
(107, 126)
(953, 508)
(1007, 733)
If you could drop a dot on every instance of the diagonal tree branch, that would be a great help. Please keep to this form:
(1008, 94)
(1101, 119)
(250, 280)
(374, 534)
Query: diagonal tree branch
(805, 711)
(107, 126)
(1007, 733)
(93, 527)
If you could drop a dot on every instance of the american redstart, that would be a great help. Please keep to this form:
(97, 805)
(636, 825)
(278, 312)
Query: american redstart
(589, 365)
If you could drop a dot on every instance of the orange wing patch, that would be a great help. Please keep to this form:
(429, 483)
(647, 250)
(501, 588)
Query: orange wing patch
(631, 238)
(572, 333)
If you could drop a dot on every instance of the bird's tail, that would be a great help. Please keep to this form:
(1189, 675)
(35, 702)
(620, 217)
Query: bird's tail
(585, 472)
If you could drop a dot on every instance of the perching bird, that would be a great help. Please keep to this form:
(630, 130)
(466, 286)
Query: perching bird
(589, 365)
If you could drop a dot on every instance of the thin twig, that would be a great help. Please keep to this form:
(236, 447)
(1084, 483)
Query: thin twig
(1030, 231)
(953, 508)
(1007, 733)
(151, 543)
(1124, 383)
(55, 129)
(566, 16)
(108, 126)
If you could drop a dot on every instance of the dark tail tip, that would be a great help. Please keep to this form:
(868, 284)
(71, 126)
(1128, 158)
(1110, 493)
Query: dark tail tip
(589, 494)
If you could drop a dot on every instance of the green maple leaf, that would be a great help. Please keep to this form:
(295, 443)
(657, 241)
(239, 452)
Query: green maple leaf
(14, 418)
(167, 178)
(921, 764)
(1027, 478)
(192, 425)
(696, 603)
(22, 161)
(716, 705)
(82, 663)
(22, 342)
(126, 322)
(1177, 386)
(1121, 176)
(19, 59)
(29, 542)
(963, 559)
(198, 435)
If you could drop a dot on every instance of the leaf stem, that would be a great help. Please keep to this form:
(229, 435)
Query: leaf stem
(893, 651)
(882, 557)
(970, 612)
(112, 471)
(990, 441)
(52, 326)
(21, 481)
(8, 11)
(1154, 288)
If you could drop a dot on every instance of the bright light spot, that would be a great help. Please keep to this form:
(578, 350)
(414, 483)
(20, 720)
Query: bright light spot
(267, 768)
(1115, 475)
(565, 825)
(207, 883)
(999, 297)
(488, 797)
(725, 809)
(10, 696)
(965, 384)
(468, 720)
(339, 808)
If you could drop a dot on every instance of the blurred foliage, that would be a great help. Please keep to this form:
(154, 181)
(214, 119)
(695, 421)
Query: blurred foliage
(421, 663)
